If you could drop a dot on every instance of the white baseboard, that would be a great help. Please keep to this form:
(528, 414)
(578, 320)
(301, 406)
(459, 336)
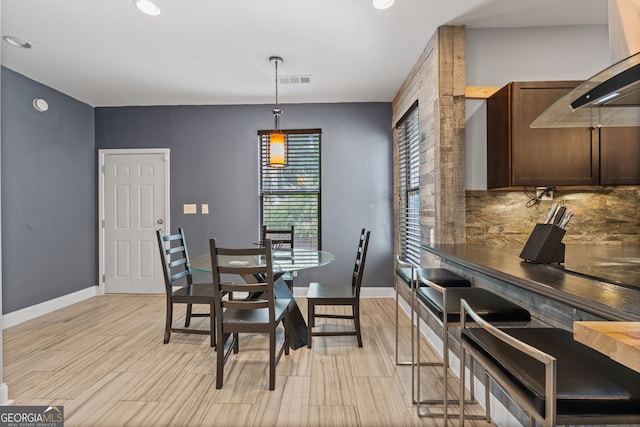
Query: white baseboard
(28, 313)
(4, 395)
(365, 292)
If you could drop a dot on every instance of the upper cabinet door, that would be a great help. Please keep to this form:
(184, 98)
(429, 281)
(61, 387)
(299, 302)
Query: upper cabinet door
(536, 157)
(620, 156)
(557, 156)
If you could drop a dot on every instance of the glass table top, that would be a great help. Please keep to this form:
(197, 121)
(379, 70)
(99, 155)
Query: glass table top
(284, 260)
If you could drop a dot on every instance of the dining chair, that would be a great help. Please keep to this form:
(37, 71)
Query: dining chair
(279, 237)
(322, 294)
(179, 286)
(262, 313)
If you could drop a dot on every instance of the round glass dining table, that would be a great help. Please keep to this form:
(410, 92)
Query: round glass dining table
(284, 260)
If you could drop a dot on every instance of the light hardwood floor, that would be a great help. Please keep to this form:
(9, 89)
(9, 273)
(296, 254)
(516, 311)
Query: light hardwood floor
(104, 360)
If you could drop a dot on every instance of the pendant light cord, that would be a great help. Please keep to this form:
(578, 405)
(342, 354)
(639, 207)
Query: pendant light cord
(276, 110)
(276, 61)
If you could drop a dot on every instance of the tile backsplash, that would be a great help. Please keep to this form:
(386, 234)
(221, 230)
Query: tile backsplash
(606, 216)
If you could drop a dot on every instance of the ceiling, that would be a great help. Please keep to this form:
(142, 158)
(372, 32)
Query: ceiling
(107, 53)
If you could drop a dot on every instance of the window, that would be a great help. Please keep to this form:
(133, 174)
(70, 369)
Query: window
(409, 186)
(291, 195)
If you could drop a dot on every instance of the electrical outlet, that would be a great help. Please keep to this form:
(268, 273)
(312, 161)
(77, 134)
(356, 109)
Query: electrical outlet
(544, 193)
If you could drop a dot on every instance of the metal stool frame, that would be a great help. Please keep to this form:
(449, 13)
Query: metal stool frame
(412, 285)
(444, 323)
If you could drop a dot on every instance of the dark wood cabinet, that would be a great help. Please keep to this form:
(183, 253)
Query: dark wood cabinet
(521, 156)
(518, 155)
(620, 156)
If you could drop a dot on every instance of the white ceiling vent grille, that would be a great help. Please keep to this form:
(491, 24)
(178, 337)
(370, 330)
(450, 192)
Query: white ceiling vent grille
(290, 80)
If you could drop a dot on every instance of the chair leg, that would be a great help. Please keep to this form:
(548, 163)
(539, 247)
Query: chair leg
(462, 385)
(272, 360)
(212, 324)
(287, 326)
(220, 355)
(167, 328)
(187, 319)
(487, 395)
(236, 345)
(356, 320)
(310, 312)
(445, 367)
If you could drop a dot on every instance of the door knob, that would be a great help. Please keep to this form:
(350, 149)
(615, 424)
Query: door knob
(160, 221)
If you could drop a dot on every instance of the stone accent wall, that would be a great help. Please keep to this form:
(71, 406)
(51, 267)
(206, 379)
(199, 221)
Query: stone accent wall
(604, 216)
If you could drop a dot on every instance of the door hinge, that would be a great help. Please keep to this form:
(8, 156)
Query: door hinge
(103, 168)
(104, 278)
(103, 223)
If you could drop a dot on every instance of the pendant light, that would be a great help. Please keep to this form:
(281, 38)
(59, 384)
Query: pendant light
(382, 4)
(277, 139)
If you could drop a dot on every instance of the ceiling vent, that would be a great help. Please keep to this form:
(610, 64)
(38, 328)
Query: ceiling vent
(290, 80)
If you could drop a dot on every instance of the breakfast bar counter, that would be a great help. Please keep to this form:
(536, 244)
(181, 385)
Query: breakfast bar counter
(618, 340)
(559, 293)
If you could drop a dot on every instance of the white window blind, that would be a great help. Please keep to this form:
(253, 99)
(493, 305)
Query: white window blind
(291, 195)
(409, 212)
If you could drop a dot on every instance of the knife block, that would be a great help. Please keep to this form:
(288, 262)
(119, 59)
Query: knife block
(544, 245)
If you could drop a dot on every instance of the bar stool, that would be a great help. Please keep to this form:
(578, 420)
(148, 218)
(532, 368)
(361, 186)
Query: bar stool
(443, 305)
(408, 272)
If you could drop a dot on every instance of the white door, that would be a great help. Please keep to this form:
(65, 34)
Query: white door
(134, 203)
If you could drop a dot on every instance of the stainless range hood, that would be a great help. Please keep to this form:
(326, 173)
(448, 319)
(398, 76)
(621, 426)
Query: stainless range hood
(608, 99)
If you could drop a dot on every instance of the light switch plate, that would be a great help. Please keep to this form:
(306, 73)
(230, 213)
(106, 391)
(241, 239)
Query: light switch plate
(190, 209)
(205, 209)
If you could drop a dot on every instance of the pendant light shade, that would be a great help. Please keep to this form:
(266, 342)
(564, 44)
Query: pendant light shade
(277, 149)
(382, 4)
(277, 139)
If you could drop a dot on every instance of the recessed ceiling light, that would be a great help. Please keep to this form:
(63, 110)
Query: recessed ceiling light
(148, 7)
(40, 105)
(382, 4)
(17, 42)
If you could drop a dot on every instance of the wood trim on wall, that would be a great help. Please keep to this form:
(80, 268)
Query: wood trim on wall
(480, 92)
(437, 83)
(450, 152)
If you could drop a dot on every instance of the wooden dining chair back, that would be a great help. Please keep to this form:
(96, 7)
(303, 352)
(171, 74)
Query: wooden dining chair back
(323, 294)
(179, 286)
(261, 313)
(281, 238)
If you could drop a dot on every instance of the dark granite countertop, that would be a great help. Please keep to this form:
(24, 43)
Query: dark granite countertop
(598, 296)
(619, 264)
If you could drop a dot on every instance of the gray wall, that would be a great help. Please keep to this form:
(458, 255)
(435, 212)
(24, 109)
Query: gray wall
(49, 181)
(496, 56)
(48, 194)
(49, 173)
(214, 160)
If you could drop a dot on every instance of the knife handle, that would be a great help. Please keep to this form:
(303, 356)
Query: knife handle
(566, 219)
(552, 211)
(559, 215)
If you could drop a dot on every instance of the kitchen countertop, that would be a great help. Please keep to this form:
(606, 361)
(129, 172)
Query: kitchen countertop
(618, 340)
(619, 264)
(601, 297)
